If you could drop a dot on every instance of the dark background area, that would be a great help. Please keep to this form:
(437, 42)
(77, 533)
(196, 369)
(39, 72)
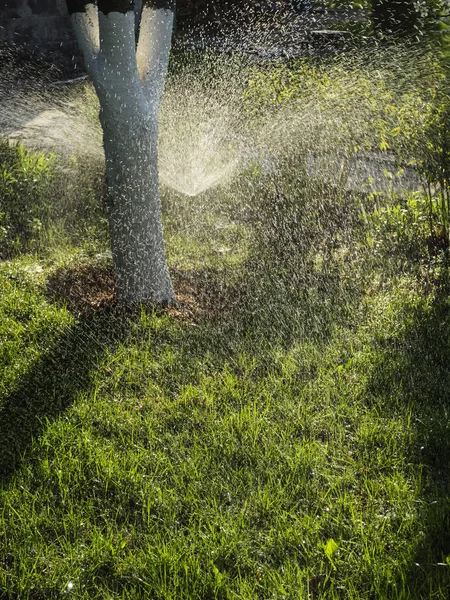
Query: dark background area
(45, 23)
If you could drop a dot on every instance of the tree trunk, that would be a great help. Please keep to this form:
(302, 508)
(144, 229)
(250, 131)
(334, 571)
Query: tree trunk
(129, 118)
(134, 208)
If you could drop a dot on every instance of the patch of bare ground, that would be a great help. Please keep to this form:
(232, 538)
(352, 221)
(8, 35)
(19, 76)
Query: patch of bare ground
(85, 288)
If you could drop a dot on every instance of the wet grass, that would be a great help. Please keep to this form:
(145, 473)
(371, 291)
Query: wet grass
(282, 433)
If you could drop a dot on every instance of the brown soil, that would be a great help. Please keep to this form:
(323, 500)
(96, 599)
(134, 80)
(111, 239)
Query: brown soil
(86, 288)
(83, 287)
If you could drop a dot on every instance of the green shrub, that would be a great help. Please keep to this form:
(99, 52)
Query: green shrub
(79, 212)
(399, 106)
(405, 226)
(432, 154)
(48, 201)
(388, 93)
(26, 192)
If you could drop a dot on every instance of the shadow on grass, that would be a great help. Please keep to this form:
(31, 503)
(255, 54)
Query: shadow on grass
(413, 376)
(304, 273)
(52, 384)
(68, 367)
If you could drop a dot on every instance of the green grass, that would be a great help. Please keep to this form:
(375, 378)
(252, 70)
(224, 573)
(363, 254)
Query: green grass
(283, 434)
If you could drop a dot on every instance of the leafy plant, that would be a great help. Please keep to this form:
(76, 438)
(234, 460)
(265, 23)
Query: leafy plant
(26, 190)
(410, 224)
(45, 200)
(433, 165)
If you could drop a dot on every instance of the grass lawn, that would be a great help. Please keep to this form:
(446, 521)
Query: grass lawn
(282, 433)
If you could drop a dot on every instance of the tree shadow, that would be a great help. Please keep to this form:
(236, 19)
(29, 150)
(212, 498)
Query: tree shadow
(68, 367)
(53, 383)
(413, 377)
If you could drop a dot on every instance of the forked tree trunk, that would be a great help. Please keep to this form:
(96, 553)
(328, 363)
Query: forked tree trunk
(129, 82)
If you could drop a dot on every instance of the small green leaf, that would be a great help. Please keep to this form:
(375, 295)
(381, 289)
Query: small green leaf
(330, 548)
(218, 575)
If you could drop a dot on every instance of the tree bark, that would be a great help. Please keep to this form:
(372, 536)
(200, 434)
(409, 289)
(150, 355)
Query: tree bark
(129, 119)
(134, 208)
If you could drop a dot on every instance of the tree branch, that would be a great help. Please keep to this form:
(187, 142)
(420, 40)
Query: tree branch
(84, 16)
(153, 48)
